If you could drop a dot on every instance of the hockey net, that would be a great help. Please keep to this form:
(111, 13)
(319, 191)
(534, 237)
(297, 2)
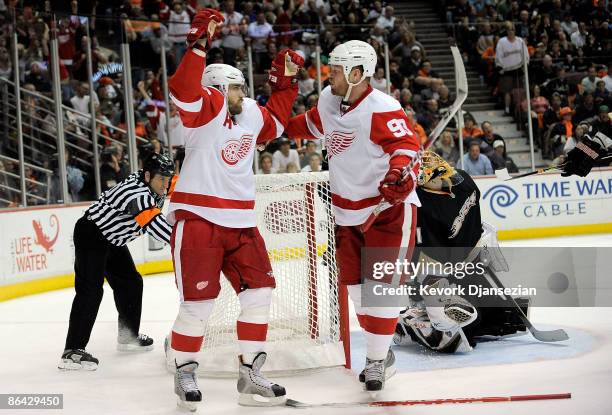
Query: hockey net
(308, 317)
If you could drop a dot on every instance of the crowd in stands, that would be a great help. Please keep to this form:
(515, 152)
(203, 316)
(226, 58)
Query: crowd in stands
(564, 39)
(568, 46)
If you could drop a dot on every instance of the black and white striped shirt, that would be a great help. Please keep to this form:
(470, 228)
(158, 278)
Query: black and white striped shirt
(128, 210)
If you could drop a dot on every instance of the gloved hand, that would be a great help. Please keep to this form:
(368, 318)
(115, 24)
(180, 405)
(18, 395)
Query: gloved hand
(204, 28)
(393, 188)
(284, 68)
(580, 159)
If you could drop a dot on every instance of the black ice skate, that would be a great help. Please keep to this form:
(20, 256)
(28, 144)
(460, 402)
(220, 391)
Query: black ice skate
(77, 359)
(376, 372)
(142, 343)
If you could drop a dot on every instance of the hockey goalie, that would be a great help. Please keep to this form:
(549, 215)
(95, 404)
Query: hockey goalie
(450, 230)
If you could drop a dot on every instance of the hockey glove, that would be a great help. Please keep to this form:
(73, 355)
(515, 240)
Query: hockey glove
(284, 68)
(580, 159)
(393, 188)
(204, 26)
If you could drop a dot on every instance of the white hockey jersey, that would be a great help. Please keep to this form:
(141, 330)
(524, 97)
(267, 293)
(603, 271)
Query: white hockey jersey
(216, 181)
(361, 145)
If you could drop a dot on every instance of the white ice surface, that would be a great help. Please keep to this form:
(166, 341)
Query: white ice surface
(33, 330)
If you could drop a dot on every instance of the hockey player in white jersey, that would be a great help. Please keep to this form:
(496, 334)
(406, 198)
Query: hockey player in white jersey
(212, 209)
(369, 144)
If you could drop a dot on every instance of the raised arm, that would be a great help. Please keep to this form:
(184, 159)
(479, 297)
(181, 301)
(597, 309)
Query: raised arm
(277, 111)
(196, 105)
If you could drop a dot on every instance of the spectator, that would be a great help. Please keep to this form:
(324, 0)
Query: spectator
(579, 37)
(403, 49)
(314, 164)
(608, 78)
(545, 73)
(265, 164)
(444, 98)
(475, 164)
(178, 26)
(601, 95)
(551, 115)
(306, 85)
(430, 116)
(309, 149)
(5, 63)
(446, 149)
(75, 177)
(568, 25)
(488, 138)
(38, 78)
(232, 31)
(284, 156)
(387, 20)
(560, 133)
(80, 101)
(500, 160)
(486, 38)
(292, 168)
(603, 121)
(379, 81)
(433, 90)
(586, 110)
(411, 66)
(470, 129)
(509, 56)
(258, 32)
(175, 126)
(589, 82)
(416, 127)
(112, 170)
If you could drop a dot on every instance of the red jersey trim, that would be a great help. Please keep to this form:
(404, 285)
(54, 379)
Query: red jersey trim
(348, 204)
(211, 201)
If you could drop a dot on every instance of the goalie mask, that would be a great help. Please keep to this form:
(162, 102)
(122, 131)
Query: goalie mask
(435, 170)
(221, 76)
(352, 54)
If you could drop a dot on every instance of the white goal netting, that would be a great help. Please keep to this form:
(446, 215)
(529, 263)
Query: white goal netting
(295, 220)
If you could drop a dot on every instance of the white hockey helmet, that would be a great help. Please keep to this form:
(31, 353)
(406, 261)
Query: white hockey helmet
(221, 75)
(354, 53)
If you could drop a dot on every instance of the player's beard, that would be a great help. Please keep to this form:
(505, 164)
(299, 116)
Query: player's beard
(235, 107)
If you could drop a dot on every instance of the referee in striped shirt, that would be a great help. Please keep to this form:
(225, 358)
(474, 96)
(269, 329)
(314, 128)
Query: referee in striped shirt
(121, 214)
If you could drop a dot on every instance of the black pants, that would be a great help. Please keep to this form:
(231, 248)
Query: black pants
(96, 258)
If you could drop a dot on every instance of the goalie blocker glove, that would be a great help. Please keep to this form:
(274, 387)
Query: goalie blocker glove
(582, 158)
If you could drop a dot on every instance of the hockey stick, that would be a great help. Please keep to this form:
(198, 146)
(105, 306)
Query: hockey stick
(547, 336)
(462, 92)
(502, 174)
(486, 399)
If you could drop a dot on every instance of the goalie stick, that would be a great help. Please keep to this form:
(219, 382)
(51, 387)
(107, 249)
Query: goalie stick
(546, 336)
(462, 92)
(513, 398)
